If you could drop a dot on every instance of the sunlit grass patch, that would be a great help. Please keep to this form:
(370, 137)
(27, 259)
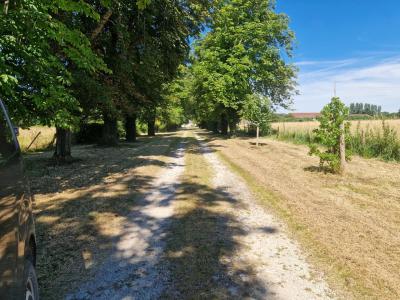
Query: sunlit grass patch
(45, 137)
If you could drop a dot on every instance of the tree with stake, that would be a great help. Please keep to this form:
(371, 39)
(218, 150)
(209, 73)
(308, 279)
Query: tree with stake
(333, 133)
(257, 110)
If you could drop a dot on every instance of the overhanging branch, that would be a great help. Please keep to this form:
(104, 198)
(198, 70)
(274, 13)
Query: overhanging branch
(103, 21)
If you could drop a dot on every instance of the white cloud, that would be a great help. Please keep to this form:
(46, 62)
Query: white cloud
(370, 79)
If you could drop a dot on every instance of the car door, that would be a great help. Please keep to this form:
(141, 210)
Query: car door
(11, 195)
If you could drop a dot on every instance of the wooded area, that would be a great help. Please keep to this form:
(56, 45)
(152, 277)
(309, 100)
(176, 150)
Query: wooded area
(93, 65)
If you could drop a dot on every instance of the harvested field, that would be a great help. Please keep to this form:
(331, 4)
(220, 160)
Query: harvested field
(349, 225)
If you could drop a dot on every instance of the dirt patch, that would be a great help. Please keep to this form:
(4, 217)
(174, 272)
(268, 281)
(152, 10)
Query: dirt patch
(350, 224)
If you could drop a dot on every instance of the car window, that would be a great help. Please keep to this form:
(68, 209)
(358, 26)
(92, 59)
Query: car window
(8, 148)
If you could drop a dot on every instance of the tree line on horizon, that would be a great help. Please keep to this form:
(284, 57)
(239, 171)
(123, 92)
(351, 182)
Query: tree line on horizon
(365, 108)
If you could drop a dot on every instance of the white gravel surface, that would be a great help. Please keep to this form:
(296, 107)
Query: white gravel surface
(277, 263)
(133, 271)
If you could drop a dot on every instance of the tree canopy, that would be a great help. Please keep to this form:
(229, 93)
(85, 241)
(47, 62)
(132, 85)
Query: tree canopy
(37, 49)
(71, 63)
(240, 58)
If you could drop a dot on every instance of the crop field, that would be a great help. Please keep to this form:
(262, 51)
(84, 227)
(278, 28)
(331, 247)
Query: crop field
(369, 138)
(364, 125)
(43, 140)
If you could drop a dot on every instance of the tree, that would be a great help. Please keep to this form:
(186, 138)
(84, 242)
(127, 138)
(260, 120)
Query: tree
(67, 63)
(241, 56)
(37, 48)
(143, 48)
(333, 133)
(257, 110)
(365, 108)
(352, 108)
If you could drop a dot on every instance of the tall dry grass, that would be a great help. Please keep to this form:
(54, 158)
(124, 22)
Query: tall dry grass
(308, 127)
(369, 138)
(43, 140)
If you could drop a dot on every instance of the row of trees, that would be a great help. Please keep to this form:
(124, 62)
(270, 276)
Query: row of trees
(238, 69)
(365, 108)
(72, 63)
(69, 63)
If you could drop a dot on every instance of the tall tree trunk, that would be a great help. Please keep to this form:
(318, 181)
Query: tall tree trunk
(214, 127)
(232, 121)
(6, 5)
(224, 124)
(130, 128)
(62, 152)
(257, 134)
(232, 127)
(110, 131)
(151, 124)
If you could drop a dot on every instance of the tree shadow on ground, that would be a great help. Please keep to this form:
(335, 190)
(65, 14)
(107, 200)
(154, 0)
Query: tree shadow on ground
(99, 238)
(259, 144)
(95, 163)
(81, 207)
(202, 248)
(319, 169)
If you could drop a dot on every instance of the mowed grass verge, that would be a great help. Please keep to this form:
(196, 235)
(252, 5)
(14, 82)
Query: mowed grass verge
(193, 245)
(349, 225)
(202, 235)
(81, 207)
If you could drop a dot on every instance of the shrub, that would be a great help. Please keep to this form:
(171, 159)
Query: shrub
(332, 126)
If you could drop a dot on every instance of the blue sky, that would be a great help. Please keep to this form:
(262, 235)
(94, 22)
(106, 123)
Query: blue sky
(354, 43)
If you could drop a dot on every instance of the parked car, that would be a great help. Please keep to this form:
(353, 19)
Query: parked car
(17, 230)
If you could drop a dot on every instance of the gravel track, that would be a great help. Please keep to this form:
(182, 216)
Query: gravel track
(134, 270)
(276, 260)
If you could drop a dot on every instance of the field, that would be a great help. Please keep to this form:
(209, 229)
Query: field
(372, 138)
(308, 127)
(349, 224)
(43, 141)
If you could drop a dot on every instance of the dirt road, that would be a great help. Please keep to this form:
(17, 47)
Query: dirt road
(263, 264)
(277, 263)
(133, 271)
(190, 228)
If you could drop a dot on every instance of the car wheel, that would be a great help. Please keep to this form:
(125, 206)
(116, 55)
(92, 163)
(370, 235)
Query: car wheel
(30, 282)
